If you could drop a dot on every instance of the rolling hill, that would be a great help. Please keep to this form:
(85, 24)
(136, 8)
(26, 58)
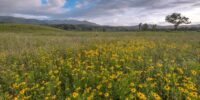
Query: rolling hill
(9, 19)
(84, 25)
(27, 28)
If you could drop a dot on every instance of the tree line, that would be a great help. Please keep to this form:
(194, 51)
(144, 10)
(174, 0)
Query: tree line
(175, 18)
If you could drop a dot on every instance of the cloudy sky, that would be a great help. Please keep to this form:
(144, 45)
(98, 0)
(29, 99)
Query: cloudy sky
(104, 12)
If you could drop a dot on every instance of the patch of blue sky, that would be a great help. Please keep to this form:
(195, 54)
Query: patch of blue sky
(92, 4)
(70, 4)
(44, 2)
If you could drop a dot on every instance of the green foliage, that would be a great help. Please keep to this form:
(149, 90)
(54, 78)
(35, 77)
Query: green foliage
(154, 27)
(177, 19)
(140, 26)
(145, 27)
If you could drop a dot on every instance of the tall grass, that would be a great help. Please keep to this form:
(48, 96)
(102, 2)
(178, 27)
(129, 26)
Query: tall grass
(53, 64)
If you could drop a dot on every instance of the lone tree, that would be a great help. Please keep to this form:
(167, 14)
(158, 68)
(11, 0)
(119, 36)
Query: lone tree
(145, 27)
(177, 19)
(154, 27)
(140, 26)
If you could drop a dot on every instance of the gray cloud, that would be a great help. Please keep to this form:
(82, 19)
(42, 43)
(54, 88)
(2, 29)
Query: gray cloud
(106, 7)
(112, 12)
(31, 7)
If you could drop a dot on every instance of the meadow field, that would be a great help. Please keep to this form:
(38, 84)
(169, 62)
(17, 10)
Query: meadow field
(43, 63)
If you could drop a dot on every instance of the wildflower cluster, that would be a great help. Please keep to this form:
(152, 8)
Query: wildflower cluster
(133, 69)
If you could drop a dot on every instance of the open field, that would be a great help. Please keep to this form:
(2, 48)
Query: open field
(38, 63)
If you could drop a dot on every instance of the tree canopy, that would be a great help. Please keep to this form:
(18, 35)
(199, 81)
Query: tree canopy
(177, 19)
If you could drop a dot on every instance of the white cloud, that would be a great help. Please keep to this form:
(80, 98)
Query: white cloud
(56, 3)
(9, 6)
(32, 7)
(81, 4)
(133, 16)
(105, 12)
(30, 16)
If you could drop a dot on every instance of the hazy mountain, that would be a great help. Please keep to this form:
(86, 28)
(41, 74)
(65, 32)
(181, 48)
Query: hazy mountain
(84, 24)
(9, 19)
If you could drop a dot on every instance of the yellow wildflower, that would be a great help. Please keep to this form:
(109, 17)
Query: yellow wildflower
(106, 94)
(75, 94)
(133, 90)
(167, 88)
(159, 64)
(193, 72)
(100, 93)
(188, 98)
(141, 96)
(194, 94)
(90, 97)
(15, 86)
(156, 96)
(99, 86)
(68, 98)
(180, 70)
(132, 84)
(149, 79)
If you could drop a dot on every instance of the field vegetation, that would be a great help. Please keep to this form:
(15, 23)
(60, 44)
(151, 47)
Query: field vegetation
(38, 62)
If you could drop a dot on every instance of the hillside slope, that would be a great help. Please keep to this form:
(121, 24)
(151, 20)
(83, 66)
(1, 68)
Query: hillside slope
(27, 28)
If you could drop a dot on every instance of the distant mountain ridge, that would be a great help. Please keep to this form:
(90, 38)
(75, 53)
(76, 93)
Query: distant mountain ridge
(83, 24)
(18, 20)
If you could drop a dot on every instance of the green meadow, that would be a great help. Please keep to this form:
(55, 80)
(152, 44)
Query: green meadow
(39, 62)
